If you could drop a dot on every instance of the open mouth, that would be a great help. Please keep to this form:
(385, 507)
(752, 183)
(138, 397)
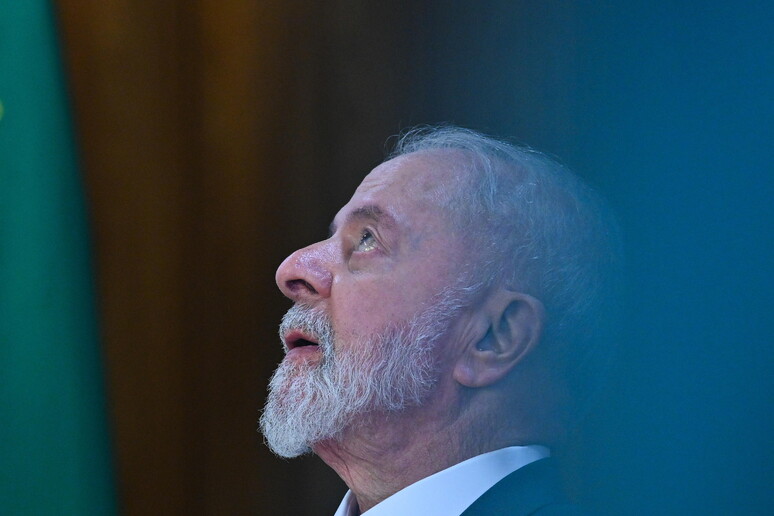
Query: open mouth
(297, 339)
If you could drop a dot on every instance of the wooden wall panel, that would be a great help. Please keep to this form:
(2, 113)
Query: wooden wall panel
(178, 106)
(123, 62)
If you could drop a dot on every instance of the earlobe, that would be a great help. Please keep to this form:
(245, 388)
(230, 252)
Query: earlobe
(514, 323)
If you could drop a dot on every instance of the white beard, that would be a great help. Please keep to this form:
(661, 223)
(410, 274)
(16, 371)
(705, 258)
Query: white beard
(386, 372)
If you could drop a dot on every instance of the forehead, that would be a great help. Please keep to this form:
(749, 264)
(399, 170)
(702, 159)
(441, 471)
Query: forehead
(407, 201)
(422, 176)
(410, 192)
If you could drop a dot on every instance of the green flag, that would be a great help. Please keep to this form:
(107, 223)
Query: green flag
(54, 445)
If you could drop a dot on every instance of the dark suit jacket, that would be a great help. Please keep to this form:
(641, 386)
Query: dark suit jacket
(533, 489)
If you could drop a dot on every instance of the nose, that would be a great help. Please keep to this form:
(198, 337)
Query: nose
(305, 275)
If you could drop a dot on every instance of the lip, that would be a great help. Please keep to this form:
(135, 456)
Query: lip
(297, 340)
(304, 354)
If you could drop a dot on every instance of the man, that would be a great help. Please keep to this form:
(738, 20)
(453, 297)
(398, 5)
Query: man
(445, 334)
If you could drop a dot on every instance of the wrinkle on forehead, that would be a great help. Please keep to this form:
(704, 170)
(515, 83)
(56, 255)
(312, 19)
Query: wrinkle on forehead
(416, 190)
(431, 175)
(420, 190)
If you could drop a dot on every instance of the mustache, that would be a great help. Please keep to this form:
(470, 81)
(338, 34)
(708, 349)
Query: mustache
(312, 321)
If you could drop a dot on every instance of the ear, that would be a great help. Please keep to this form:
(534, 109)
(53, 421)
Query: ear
(509, 326)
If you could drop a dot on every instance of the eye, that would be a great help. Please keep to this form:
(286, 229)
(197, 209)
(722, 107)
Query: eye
(367, 242)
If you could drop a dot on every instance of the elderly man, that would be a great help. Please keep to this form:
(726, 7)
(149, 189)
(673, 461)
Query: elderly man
(445, 334)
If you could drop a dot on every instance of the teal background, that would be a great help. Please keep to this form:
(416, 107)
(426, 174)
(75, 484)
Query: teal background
(667, 108)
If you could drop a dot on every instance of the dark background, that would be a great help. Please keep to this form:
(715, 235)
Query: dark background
(220, 135)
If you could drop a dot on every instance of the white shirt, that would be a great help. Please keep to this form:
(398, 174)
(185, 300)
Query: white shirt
(452, 490)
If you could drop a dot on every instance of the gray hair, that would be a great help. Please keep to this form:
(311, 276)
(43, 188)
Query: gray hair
(536, 227)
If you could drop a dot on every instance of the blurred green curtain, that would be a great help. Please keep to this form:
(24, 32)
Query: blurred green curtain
(55, 453)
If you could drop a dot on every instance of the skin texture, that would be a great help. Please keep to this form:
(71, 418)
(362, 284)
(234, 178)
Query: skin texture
(366, 283)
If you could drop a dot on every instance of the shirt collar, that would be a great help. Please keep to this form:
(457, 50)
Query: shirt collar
(452, 490)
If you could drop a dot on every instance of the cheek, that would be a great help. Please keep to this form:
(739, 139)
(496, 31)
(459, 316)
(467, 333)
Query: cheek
(369, 303)
(357, 319)
(359, 316)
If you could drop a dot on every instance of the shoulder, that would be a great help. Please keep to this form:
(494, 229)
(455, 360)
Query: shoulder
(534, 489)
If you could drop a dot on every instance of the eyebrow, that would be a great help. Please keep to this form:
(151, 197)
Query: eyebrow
(369, 212)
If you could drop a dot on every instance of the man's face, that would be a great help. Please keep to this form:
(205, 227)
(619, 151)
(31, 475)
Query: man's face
(391, 249)
(367, 298)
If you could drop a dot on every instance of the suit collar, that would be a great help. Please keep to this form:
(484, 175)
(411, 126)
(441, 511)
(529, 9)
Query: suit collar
(522, 492)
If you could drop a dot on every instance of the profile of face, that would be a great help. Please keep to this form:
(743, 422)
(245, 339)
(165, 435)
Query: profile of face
(374, 306)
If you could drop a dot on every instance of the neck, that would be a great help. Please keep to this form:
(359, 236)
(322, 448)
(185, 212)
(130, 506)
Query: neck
(384, 453)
